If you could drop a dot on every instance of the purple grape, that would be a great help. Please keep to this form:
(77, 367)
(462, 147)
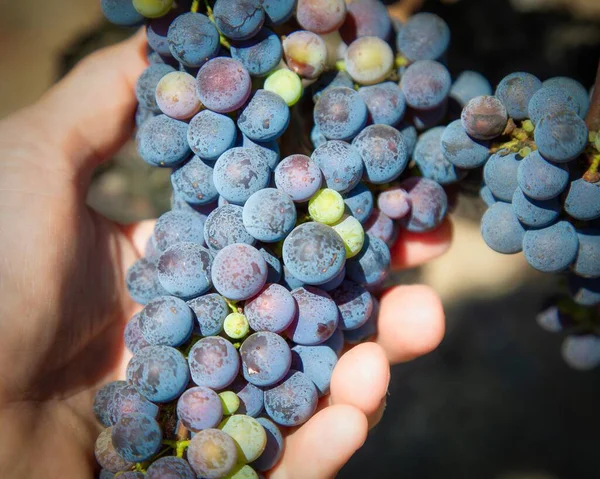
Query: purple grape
(561, 136)
(266, 358)
(460, 149)
(269, 215)
(381, 226)
(429, 204)
(224, 84)
(359, 201)
(274, 448)
(260, 54)
(211, 134)
(265, 117)
(394, 202)
(142, 281)
(340, 163)
(354, 303)
(515, 92)
(336, 342)
(162, 141)
(583, 200)
(127, 400)
(385, 102)
(500, 174)
(501, 229)
(424, 36)
(574, 90)
(273, 309)
(193, 182)
(274, 268)
(317, 363)
(134, 340)
(107, 456)
(239, 271)
(293, 401)
(239, 19)
(184, 270)
(366, 18)
(425, 84)
(225, 226)
(367, 331)
(551, 249)
(371, 266)
(321, 16)
(340, 113)
(535, 213)
(193, 39)
(103, 400)
(335, 282)
(121, 12)
(199, 408)
(176, 227)
(484, 117)
(548, 99)
(170, 467)
(299, 177)
(214, 362)
(211, 311)
(432, 162)
(468, 85)
(316, 318)
(136, 437)
(167, 321)
(540, 179)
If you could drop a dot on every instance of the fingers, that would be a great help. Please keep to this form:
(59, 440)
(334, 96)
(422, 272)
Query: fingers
(413, 249)
(320, 448)
(411, 322)
(89, 114)
(139, 234)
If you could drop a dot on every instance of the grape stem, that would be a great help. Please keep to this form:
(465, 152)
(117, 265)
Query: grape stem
(195, 6)
(179, 446)
(593, 116)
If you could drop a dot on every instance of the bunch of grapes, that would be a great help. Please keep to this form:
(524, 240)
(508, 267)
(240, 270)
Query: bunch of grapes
(269, 264)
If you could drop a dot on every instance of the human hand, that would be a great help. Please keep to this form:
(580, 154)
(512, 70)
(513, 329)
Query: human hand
(64, 304)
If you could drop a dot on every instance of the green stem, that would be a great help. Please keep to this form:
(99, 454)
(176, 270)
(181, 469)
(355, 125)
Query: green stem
(195, 6)
(592, 175)
(232, 305)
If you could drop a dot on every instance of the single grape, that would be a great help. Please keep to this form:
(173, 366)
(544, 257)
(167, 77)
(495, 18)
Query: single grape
(145, 88)
(239, 271)
(515, 92)
(286, 84)
(352, 234)
(265, 358)
(293, 401)
(425, 119)
(584, 291)
(157, 31)
(583, 200)
(574, 90)
(484, 117)
(153, 8)
(269, 215)
(330, 79)
(121, 12)
(431, 160)
(289, 281)
(299, 177)
(273, 448)
(225, 226)
(321, 16)
(365, 332)
(162, 141)
(468, 85)
(260, 54)
(278, 11)
(107, 456)
(500, 174)
(159, 373)
(223, 84)
(548, 99)
(340, 113)
(305, 54)
(251, 397)
(142, 281)
(460, 149)
(316, 318)
(236, 326)
(274, 268)
(501, 229)
(581, 352)
(382, 226)
(167, 321)
(230, 402)
(136, 437)
(239, 173)
(551, 249)
(336, 342)
(341, 164)
(487, 196)
(354, 303)
(106, 474)
(273, 309)
(193, 39)
(170, 467)
(552, 319)
(426, 84)
(184, 270)
(561, 136)
(369, 60)
(359, 201)
(394, 202)
(248, 434)
(176, 227)
(134, 341)
(385, 102)
(424, 36)
(409, 133)
(214, 362)
(587, 264)
(314, 253)
(199, 408)
(193, 182)
(127, 400)
(176, 95)
(326, 206)
(269, 150)
(429, 204)
(104, 399)
(335, 282)
(210, 311)
(366, 18)
(265, 117)
(535, 213)
(317, 363)
(239, 19)
(211, 134)
(383, 152)
(212, 454)
(540, 179)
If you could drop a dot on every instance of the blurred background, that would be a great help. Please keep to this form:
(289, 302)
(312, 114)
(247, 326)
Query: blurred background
(495, 400)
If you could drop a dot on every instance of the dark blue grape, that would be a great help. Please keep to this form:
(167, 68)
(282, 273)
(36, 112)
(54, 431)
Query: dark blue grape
(162, 141)
(211, 311)
(381, 226)
(540, 179)
(316, 318)
(142, 281)
(277, 11)
(273, 309)
(289, 280)
(340, 163)
(225, 226)
(121, 12)
(239, 173)
(239, 19)
(460, 149)
(299, 177)
(359, 201)
(366, 18)
(367, 331)
(293, 401)
(157, 30)
(574, 90)
(335, 282)
(317, 363)
(581, 352)
(340, 113)
(500, 174)
(551, 249)
(385, 102)
(584, 291)
(170, 467)
(107, 456)
(535, 213)
(551, 319)
(354, 303)
(103, 401)
(159, 373)
(468, 85)
(274, 448)
(176, 227)
(239, 271)
(211, 134)
(265, 117)
(548, 99)
(268, 149)
(214, 362)
(383, 152)
(260, 54)
(167, 321)
(145, 88)
(515, 92)
(251, 397)
(501, 229)
(583, 200)
(193, 39)
(433, 164)
(487, 196)
(134, 341)
(184, 270)
(269, 215)
(266, 358)
(314, 253)
(426, 84)
(330, 79)
(142, 115)
(212, 454)
(136, 437)
(224, 84)
(394, 202)
(274, 267)
(193, 182)
(484, 117)
(371, 266)
(587, 264)
(561, 136)
(199, 408)
(127, 400)
(429, 204)
(424, 36)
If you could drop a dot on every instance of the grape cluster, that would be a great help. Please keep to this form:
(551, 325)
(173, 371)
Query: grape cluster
(266, 266)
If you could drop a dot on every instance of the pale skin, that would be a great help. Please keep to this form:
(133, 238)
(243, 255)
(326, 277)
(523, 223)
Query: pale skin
(64, 304)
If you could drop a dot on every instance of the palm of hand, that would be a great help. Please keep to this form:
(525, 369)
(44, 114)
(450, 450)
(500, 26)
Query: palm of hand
(63, 303)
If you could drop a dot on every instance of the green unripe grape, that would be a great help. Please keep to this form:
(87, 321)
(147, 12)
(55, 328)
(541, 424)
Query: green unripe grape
(153, 8)
(236, 326)
(326, 206)
(352, 234)
(249, 436)
(230, 402)
(242, 472)
(286, 84)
